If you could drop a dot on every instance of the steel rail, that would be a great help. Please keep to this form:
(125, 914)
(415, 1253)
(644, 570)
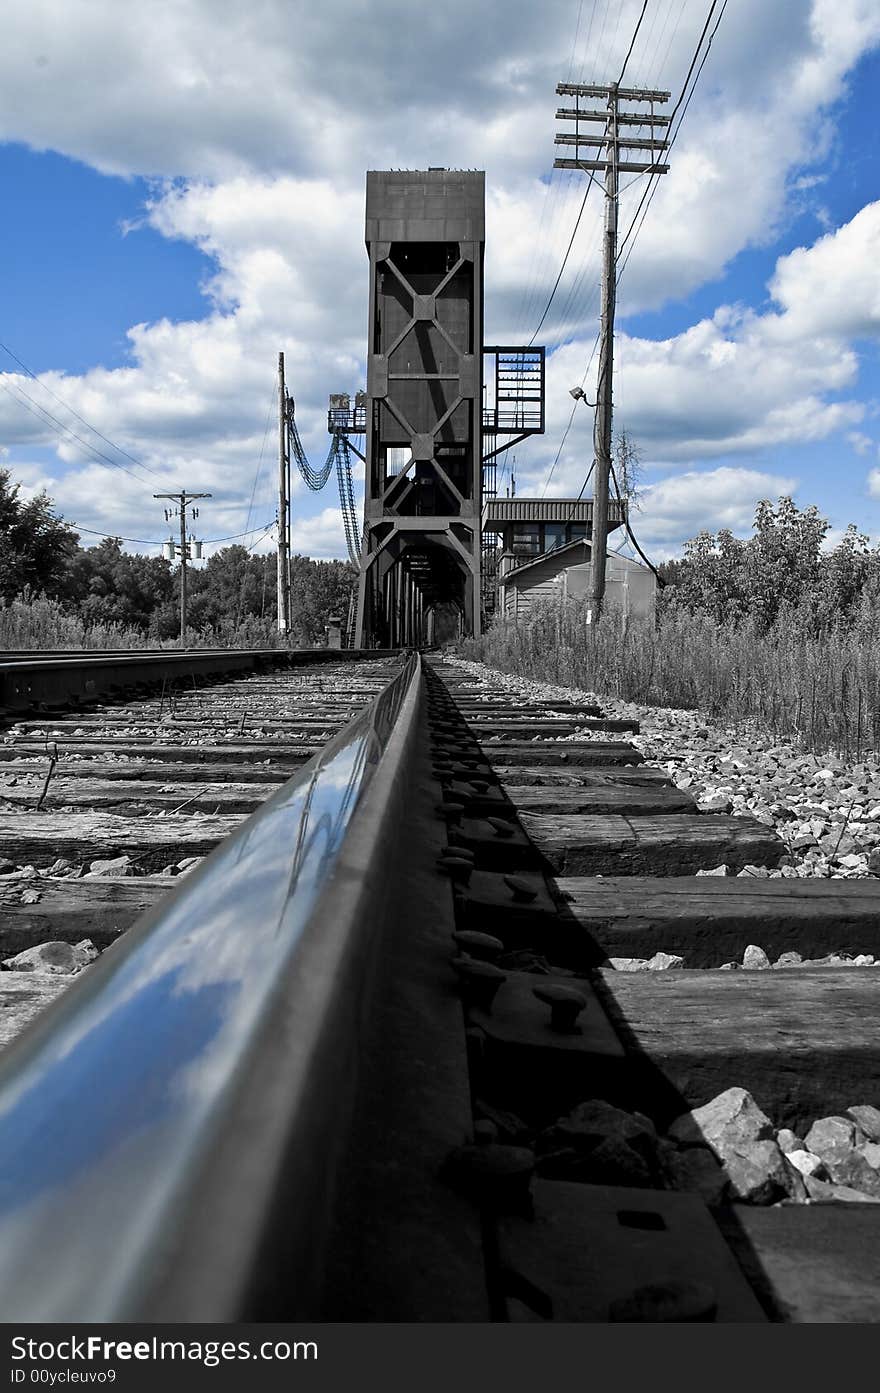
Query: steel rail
(57, 677)
(170, 1127)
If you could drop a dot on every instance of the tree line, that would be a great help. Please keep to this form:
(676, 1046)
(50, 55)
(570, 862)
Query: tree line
(41, 554)
(783, 573)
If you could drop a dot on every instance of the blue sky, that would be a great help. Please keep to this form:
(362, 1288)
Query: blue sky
(185, 197)
(75, 279)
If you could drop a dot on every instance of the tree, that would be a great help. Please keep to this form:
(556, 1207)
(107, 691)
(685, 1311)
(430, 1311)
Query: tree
(783, 561)
(849, 573)
(107, 585)
(712, 577)
(236, 585)
(34, 543)
(317, 590)
(232, 584)
(628, 471)
(781, 571)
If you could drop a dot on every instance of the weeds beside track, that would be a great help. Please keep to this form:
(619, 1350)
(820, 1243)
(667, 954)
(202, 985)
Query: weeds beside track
(822, 690)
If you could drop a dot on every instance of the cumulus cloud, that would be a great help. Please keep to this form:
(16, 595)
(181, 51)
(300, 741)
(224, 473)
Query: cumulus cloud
(832, 287)
(861, 443)
(318, 536)
(678, 507)
(874, 483)
(740, 381)
(258, 124)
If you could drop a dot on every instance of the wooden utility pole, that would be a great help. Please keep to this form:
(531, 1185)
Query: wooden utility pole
(606, 150)
(183, 501)
(283, 506)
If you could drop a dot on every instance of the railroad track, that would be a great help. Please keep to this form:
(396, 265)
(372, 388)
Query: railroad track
(377, 1056)
(102, 807)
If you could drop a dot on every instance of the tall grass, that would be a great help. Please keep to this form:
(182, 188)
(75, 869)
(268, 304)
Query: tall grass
(41, 623)
(821, 691)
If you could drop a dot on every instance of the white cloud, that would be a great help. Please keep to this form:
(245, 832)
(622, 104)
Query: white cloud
(861, 443)
(741, 381)
(319, 536)
(678, 507)
(832, 287)
(874, 483)
(261, 121)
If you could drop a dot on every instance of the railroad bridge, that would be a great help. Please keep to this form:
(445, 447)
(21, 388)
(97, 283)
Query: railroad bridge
(426, 412)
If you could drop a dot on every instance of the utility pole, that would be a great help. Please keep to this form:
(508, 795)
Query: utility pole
(183, 501)
(283, 506)
(606, 150)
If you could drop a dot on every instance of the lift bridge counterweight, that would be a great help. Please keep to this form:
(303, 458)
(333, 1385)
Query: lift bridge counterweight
(423, 414)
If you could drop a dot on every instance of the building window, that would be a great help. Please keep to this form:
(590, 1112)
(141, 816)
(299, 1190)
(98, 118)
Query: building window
(554, 535)
(577, 531)
(526, 540)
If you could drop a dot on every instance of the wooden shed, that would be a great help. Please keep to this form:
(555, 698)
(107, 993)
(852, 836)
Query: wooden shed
(564, 572)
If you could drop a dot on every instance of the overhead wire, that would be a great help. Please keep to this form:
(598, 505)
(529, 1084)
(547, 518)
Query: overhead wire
(591, 180)
(682, 104)
(632, 536)
(257, 473)
(671, 143)
(672, 36)
(568, 318)
(654, 179)
(649, 33)
(569, 300)
(42, 413)
(532, 281)
(259, 468)
(570, 421)
(94, 429)
(244, 573)
(151, 542)
(545, 244)
(632, 42)
(112, 536)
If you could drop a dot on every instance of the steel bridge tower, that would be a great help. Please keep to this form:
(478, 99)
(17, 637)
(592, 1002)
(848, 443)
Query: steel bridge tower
(420, 559)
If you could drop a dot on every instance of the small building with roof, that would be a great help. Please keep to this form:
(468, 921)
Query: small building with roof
(536, 549)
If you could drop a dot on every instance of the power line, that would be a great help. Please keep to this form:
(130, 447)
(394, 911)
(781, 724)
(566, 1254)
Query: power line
(69, 408)
(577, 224)
(259, 468)
(673, 35)
(655, 16)
(645, 201)
(113, 536)
(591, 182)
(149, 542)
(96, 455)
(632, 42)
(652, 184)
(570, 421)
(632, 536)
(209, 541)
(244, 571)
(677, 129)
(651, 187)
(551, 195)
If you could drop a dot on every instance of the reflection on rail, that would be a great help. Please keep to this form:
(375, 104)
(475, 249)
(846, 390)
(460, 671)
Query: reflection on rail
(173, 1112)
